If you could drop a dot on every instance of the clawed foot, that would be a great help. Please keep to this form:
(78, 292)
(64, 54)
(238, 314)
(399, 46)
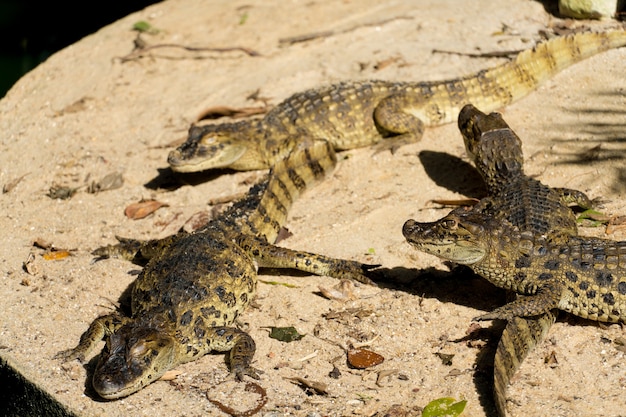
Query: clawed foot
(69, 355)
(239, 374)
(359, 272)
(126, 249)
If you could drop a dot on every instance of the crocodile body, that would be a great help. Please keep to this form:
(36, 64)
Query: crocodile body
(390, 114)
(583, 276)
(526, 203)
(195, 285)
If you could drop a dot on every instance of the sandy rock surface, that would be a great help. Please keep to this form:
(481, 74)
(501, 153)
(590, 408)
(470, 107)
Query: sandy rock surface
(84, 114)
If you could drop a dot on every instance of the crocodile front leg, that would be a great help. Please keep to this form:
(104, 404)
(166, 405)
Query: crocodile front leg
(241, 347)
(272, 256)
(134, 250)
(98, 330)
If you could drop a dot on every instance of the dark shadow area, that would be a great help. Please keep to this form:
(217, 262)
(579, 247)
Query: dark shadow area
(453, 173)
(32, 30)
(20, 397)
(166, 179)
(550, 6)
(597, 135)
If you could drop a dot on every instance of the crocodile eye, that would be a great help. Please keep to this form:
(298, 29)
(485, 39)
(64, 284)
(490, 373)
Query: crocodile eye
(138, 349)
(450, 224)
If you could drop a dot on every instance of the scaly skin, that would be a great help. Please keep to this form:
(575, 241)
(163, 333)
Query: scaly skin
(526, 203)
(583, 276)
(390, 114)
(195, 285)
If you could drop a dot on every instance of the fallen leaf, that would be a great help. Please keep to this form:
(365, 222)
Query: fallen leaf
(56, 255)
(108, 182)
(170, 375)
(144, 208)
(285, 334)
(615, 223)
(57, 192)
(363, 358)
(284, 284)
(196, 221)
(343, 291)
(318, 387)
(446, 358)
(444, 407)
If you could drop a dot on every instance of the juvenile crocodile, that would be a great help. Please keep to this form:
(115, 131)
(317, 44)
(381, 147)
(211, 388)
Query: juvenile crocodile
(582, 276)
(362, 113)
(526, 203)
(195, 285)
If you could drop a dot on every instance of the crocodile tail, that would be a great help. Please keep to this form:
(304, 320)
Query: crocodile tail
(518, 339)
(494, 88)
(534, 66)
(289, 177)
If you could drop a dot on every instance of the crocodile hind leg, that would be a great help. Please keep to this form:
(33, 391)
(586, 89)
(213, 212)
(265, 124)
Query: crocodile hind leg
(401, 127)
(272, 256)
(519, 337)
(241, 347)
(100, 328)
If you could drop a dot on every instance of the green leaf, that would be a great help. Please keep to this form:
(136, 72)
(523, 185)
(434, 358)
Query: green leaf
(145, 27)
(284, 284)
(592, 218)
(444, 407)
(285, 334)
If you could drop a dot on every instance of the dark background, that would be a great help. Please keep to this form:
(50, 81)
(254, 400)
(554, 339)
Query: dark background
(32, 30)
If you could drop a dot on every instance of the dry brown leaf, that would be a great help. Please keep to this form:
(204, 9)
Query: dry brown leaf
(343, 291)
(144, 208)
(170, 375)
(56, 255)
(363, 358)
(615, 223)
(318, 387)
(196, 221)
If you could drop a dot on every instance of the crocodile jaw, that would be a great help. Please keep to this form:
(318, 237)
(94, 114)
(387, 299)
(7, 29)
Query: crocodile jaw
(206, 158)
(444, 239)
(129, 363)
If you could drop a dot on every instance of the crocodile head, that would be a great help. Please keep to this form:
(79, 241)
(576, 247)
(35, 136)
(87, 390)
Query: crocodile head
(228, 145)
(134, 357)
(459, 237)
(492, 145)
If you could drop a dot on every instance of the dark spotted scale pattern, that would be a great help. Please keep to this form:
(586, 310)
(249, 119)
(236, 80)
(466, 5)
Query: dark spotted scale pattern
(362, 113)
(194, 286)
(590, 280)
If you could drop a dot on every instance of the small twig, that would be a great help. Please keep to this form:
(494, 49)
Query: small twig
(141, 48)
(250, 387)
(493, 54)
(327, 33)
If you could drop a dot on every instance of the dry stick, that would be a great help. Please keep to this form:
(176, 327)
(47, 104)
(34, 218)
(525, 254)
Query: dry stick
(326, 33)
(494, 54)
(141, 48)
